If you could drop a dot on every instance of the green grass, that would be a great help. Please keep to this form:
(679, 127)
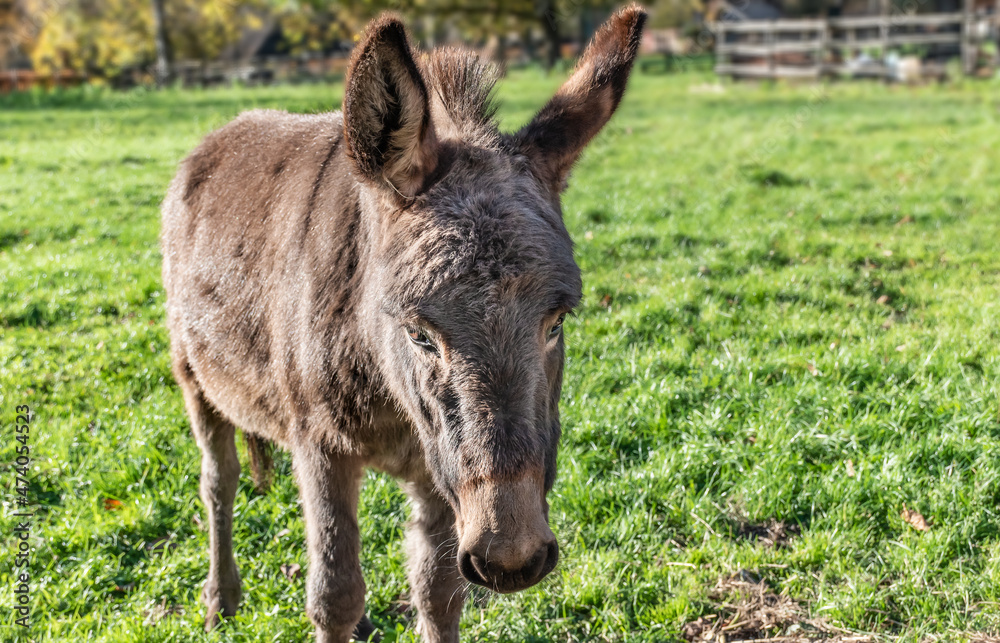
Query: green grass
(798, 278)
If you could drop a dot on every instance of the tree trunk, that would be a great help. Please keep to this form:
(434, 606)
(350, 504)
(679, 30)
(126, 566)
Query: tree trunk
(163, 55)
(550, 18)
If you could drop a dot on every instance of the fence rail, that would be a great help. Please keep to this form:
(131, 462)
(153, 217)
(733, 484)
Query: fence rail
(194, 73)
(840, 45)
(23, 80)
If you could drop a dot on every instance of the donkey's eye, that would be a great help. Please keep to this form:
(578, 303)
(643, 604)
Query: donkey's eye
(557, 328)
(421, 339)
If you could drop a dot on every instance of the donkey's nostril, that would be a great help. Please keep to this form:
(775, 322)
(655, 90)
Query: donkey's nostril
(470, 570)
(484, 570)
(551, 558)
(532, 571)
(543, 562)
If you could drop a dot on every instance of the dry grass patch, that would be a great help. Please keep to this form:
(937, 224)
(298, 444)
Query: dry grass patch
(749, 611)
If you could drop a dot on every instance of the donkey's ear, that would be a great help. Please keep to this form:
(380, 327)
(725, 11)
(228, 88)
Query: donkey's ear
(582, 106)
(387, 122)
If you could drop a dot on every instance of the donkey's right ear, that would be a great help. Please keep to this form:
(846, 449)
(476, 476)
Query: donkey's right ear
(387, 123)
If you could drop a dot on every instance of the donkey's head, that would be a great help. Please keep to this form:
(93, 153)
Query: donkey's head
(470, 274)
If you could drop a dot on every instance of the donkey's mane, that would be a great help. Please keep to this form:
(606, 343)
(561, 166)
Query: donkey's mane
(463, 83)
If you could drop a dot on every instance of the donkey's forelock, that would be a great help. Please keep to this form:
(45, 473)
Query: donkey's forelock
(482, 227)
(461, 85)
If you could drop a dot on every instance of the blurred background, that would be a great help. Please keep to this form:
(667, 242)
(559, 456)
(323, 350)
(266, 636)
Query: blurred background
(781, 405)
(125, 43)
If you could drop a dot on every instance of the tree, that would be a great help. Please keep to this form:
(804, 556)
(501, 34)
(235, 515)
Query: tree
(104, 37)
(16, 32)
(549, 16)
(163, 55)
(314, 25)
(92, 37)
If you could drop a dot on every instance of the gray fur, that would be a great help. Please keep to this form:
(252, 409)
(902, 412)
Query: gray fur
(382, 287)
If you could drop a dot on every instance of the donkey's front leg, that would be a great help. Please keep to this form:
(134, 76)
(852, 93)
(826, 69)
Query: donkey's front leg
(335, 589)
(220, 476)
(437, 588)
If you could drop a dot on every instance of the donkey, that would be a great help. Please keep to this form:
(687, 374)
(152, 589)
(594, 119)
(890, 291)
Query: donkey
(385, 287)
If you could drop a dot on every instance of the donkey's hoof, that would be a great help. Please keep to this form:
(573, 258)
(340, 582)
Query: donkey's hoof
(219, 602)
(365, 631)
(212, 619)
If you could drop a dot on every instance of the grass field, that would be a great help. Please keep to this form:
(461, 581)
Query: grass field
(790, 335)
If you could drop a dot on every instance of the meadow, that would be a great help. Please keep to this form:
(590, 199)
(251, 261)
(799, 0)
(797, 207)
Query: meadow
(781, 397)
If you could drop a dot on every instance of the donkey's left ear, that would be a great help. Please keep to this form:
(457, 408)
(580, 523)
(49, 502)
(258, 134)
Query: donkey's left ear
(387, 122)
(557, 135)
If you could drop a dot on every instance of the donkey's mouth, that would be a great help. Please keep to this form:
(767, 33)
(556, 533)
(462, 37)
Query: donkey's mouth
(495, 577)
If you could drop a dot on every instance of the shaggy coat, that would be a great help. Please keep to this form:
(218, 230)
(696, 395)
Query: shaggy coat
(385, 287)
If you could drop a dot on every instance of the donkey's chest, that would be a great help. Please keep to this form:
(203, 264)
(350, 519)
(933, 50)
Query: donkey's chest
(393, 446)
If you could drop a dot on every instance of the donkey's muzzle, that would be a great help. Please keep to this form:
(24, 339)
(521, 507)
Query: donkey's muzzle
(493, 574)
(504, 540)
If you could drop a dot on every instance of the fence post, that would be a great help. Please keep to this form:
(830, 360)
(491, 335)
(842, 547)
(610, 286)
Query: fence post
(995, 34)
(721, 55)
(968, 50)
(824, 44)
(883, 28)
(770, 49)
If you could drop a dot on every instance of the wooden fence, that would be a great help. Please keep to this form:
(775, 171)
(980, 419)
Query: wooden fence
(261, 70)
(840, 46)
(24, 79)
(194, 73)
